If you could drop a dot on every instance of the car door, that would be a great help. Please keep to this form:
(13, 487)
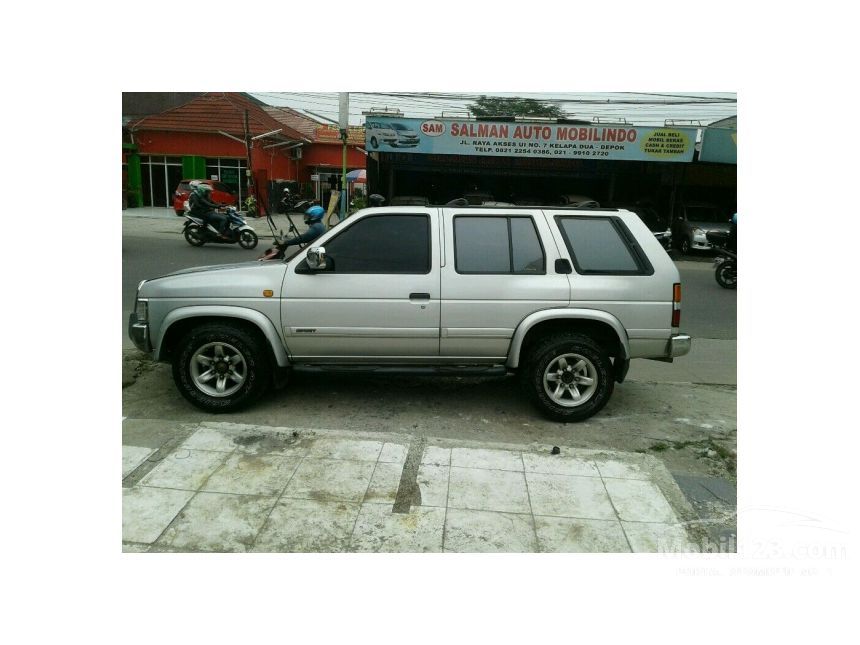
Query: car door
(499, 267)
(378, 299)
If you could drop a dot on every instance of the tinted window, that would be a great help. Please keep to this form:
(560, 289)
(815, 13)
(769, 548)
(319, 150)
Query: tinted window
(482, 245)
(497, 245)
(526, 249)
(383, 244)
(597, 246)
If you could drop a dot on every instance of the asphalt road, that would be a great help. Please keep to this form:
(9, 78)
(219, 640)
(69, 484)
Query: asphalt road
(150, 250)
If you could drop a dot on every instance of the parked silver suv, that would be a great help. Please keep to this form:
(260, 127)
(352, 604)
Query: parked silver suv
(563, 297)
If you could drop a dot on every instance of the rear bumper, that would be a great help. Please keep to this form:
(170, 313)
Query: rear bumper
(680, 345)
(139, 334)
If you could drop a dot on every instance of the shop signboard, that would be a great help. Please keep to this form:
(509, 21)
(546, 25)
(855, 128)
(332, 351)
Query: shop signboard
(719, 145)
(529, 140)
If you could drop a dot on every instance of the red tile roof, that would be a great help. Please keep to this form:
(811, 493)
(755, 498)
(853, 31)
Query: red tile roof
(224, 111)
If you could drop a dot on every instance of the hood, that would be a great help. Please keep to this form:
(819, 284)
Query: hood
(242, 280)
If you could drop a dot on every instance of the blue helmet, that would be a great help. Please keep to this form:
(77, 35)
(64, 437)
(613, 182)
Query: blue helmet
(314, 213)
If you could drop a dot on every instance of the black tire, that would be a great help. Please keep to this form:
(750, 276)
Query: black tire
(193, 235)
(374, 142)
(727, 275)
(255, 360)
(248, 239)
(548, 351)
(685, 245)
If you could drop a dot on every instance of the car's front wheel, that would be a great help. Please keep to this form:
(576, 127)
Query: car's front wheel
(568, 377)
(685, 245)
(220, 367)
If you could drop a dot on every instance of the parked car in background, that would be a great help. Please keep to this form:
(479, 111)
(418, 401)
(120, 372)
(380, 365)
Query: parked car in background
(657, 224)
(221, 194)
(578, 201)
(409, 200)
(693, 221)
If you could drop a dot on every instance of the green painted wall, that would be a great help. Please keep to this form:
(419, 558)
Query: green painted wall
(135, 181)
(193, 167)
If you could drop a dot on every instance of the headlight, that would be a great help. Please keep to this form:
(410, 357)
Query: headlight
(141, 310)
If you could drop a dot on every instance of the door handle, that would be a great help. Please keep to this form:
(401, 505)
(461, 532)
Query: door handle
(419, 296)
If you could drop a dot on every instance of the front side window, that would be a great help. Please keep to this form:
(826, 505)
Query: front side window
(383, 244)
(497, 245)
(602, 245)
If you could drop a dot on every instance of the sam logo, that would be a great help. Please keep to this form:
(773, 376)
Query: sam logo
(432, 128)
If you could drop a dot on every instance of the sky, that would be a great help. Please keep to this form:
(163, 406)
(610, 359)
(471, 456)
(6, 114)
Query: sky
(647, 109)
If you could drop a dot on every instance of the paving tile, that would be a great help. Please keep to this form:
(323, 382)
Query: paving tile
(639, 501)
(218, 522)
(559, 465)
(308, 525)
(384, 483)
(326, 448)
(492, 459)
(378, 530)
(185, 469)
(649, 537)
(132, 457)
(620, 469)
(393, 453)
(252, 475)
(146, 512)
(567, 496)
(575, 535)
(488, 490)
(211, 439)
(433, 484)
(469, 531)
(436, 456)
(330, 479)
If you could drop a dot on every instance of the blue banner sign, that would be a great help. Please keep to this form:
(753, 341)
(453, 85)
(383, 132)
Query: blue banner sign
(719, 145)
(532, 140)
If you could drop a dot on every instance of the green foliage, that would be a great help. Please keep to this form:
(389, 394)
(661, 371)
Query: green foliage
(490, 106)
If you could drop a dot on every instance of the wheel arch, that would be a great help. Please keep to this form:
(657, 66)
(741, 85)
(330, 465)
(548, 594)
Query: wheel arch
(179, 321)
(601, 326)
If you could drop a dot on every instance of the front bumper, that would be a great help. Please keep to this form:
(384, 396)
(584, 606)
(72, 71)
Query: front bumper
(680, 345)
(139, 333)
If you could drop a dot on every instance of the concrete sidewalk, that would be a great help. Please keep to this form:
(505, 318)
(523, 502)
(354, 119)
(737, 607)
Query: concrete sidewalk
(227, 487)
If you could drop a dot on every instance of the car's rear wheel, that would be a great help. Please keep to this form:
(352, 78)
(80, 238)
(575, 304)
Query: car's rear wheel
(568, 377)
(374, 142)
(221, 367)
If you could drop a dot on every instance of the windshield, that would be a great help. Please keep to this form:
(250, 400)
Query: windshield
(702, 214)
(398, 126)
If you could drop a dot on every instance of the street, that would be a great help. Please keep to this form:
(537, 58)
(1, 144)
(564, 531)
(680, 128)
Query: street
(683, 415)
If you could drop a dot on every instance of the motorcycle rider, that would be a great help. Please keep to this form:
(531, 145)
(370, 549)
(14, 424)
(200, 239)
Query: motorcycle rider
(313, 218)
(203, 207)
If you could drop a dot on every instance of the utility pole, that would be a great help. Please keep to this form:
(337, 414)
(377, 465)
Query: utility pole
(248, 172)
(343, 118)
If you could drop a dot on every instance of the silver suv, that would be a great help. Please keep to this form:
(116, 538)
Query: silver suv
(562, 297)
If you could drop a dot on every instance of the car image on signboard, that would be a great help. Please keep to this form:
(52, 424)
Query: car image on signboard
(395, 135)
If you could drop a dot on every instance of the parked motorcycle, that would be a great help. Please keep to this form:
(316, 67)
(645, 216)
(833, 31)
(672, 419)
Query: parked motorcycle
(198, 233)
(726, 262)
(293, 204)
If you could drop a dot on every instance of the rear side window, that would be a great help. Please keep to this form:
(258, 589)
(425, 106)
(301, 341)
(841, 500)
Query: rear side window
(497, 245)
(603, 245)
(383, 244)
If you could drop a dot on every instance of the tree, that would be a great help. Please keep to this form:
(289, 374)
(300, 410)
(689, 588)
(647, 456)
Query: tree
(490, 106)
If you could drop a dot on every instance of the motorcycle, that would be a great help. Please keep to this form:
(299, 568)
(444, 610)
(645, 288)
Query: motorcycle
(293, 204)
(198, 233)
(726, 262)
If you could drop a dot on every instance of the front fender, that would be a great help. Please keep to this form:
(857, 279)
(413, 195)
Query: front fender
(261, 321)
(565, 314)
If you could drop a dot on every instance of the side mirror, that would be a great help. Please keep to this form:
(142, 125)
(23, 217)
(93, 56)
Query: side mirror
(316, 258)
